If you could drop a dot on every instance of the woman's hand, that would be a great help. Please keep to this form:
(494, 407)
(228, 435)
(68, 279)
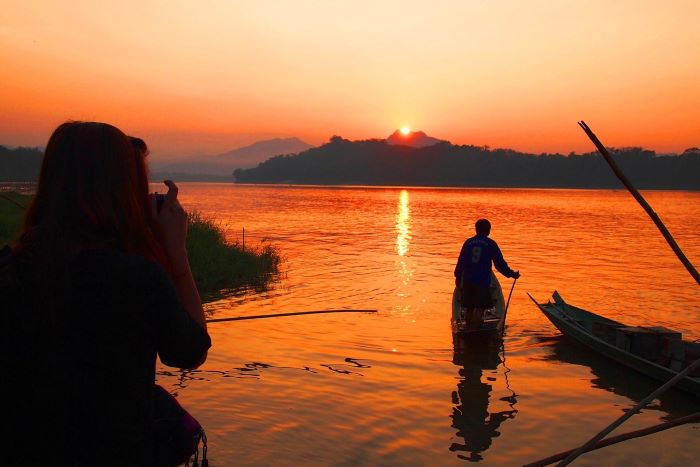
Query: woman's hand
(171, 225)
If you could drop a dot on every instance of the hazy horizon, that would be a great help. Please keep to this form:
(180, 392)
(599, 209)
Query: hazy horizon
(179, 157)
(191, 79)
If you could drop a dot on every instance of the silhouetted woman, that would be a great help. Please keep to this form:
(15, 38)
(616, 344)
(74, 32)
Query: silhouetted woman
(98, 284)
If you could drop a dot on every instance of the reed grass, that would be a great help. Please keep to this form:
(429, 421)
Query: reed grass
(216, 264)
(12, 208)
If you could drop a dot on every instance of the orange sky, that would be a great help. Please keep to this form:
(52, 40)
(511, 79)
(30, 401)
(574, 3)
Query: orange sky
(204, 79)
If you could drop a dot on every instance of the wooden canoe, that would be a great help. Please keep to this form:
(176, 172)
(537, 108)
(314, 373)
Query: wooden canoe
(610, 338)
(493, 317)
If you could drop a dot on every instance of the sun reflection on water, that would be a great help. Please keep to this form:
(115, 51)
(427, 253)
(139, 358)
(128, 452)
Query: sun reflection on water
(403, 224)
(403, 237)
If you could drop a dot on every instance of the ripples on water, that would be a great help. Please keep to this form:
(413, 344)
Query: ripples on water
(389, 388)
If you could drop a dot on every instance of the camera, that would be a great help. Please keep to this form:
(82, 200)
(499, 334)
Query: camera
(160, 199)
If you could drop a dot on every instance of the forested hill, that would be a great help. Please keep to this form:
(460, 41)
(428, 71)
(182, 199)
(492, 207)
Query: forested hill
(374, 162)
(20, 164)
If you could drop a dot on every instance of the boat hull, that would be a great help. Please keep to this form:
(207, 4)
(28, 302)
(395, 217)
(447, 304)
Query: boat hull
(577, 324)
(494, 318)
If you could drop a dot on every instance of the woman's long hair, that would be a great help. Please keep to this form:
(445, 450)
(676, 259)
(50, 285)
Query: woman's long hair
(92, 194)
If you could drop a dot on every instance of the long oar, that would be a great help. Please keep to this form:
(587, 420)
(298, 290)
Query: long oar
(640, 199)
(505, 313)
(293, 313)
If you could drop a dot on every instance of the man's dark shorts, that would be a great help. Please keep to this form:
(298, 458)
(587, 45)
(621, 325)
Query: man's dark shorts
(476, 296)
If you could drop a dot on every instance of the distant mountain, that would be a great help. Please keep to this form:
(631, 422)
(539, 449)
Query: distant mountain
(414, 139)
(377, 162)
(221, 166)
(23, 164)
(252, 155)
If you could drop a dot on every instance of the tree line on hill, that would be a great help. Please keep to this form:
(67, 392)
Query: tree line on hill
(374, 162)
(20, 164)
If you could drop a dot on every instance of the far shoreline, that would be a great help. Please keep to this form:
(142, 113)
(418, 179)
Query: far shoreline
(6, 186)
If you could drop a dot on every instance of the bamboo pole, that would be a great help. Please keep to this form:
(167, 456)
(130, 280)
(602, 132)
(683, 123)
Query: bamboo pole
(640, 199)
(623, 437)
(643, 403)
(10, 200)
(505, 313)
(294, 313)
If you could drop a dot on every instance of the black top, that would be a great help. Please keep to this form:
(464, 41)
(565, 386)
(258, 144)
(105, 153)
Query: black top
(78, 386)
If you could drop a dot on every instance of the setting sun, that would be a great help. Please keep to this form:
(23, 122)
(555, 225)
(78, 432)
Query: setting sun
(405, 130)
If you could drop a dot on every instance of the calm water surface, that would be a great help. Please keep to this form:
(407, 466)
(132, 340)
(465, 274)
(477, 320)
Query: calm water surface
(388, 389)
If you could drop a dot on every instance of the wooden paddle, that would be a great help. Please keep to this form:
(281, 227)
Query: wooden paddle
(505, 312)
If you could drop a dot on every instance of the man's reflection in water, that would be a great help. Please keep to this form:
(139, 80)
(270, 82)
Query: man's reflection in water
(470, 415)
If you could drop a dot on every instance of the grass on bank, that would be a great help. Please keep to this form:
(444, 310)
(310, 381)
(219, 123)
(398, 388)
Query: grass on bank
(12, 208)
(216, 264)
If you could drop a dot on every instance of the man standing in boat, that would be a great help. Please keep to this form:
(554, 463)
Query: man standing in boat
(473, 273)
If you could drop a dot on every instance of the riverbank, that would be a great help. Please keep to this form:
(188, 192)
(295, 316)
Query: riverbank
(216, 264)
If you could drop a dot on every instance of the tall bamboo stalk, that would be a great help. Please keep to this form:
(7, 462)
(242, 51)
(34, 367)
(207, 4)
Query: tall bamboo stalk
(640, 199)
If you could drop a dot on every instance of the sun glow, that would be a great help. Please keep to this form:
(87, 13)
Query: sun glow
(405, 130)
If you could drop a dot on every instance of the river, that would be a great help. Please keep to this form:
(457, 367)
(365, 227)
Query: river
(388, 388)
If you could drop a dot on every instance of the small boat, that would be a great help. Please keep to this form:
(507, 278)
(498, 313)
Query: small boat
(493, 320)
(655, 351)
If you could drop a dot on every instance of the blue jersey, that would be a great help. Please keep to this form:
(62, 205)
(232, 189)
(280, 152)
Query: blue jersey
(474, 263)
